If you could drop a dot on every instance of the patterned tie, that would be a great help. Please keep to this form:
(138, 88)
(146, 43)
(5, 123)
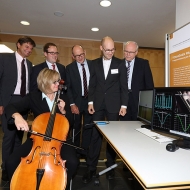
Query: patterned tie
(128, 69)
(53, 65)
(23, 79)
(84, 81)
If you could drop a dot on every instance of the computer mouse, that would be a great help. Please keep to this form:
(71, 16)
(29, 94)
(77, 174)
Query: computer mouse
(171, 147)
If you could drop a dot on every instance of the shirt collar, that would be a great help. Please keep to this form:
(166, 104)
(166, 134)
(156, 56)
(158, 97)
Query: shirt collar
(106, 60)
(79, 64)
(45, 96)
(50, 64)
(19, 57)
(132, 61)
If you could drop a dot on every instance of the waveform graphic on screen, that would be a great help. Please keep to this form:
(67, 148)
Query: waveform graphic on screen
(163, 101)
(171, 113)
(162, 119)
(182, 123)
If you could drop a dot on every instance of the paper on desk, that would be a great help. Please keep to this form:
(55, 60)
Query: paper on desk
(159, 138)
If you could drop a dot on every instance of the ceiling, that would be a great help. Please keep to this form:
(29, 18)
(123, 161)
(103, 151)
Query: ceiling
(143, 21)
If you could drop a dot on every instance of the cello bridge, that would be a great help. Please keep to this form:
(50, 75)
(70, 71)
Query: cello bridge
(44, 154)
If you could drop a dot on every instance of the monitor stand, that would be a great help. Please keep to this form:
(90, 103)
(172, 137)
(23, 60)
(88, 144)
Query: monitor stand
(146, 126)
(182, 143)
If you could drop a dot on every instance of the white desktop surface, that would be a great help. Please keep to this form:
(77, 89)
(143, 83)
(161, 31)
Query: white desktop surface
(150, 162)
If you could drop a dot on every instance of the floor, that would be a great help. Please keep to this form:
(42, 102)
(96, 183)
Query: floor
(123, 179)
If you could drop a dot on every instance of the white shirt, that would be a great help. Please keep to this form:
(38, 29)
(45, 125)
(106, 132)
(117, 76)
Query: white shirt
(19, 59)
(131, 72)
(50, 66)
(106, 65)
(49, 102)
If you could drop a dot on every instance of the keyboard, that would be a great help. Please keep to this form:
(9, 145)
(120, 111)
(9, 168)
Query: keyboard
(159, 138)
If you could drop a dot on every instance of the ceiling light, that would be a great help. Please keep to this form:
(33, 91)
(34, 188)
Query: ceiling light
(95, 29)
(5, 49)
(58, 13)
(25, 23)
(105, 3)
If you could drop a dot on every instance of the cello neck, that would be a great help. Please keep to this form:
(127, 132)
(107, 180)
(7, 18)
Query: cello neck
(51, 120)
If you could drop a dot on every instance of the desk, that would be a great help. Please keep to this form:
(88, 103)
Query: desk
(147, 159)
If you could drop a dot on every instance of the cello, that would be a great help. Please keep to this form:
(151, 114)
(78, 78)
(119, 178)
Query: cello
(43, 168)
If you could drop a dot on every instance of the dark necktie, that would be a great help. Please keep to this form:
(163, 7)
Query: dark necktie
(84, 81)
(53, 66)
(128, 69)
(23, 79)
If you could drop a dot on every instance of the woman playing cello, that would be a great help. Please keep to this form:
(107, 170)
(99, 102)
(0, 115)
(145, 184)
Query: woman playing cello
(39, 102)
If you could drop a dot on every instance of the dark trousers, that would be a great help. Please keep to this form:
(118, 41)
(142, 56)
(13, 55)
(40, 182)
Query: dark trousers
(87, 126)
(96, 140)
(132, 110)
(67, 153)
(12, 138)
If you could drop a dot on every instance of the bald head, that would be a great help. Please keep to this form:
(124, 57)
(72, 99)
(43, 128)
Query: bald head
(76, 48)
(107, 47)
(78, 53)
(107, 39)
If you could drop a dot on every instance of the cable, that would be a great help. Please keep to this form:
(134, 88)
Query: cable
(85, 128)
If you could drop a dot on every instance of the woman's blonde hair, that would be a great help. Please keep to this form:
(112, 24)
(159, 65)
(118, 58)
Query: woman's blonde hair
(46, 78)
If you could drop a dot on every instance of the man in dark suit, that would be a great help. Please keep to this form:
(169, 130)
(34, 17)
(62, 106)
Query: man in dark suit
(51, 54)
(108, 97)
(77, 97)
(15, 72)
(139, 78)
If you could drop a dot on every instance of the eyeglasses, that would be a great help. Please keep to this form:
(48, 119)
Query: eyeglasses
(130, 52)
(109, 50)
(53, 53)
(78, 56)
(57, 81)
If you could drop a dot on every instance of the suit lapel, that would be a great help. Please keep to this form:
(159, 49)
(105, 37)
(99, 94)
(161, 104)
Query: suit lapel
(135, 71)
(77, 75)
(44, 65)
(101, 69)
(45, 105)
(13, 67)
(42, 102)
(112, 66)
(29, 71)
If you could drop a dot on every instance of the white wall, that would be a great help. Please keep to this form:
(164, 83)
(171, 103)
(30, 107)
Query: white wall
(182, 13)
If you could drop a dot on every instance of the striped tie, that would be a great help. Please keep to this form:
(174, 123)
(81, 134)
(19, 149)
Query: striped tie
(84, 81)
(128, 69)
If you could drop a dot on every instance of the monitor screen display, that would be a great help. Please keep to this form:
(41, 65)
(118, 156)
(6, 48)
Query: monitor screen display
(145, 106)
(171, 111)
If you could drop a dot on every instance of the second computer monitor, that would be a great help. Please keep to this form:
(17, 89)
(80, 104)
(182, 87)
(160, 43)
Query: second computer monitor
(145, 106)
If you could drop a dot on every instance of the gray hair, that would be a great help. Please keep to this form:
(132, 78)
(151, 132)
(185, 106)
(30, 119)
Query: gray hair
(133, 43)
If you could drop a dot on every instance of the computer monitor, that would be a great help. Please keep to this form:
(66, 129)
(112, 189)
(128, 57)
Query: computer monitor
(145, 107)
(171, 113)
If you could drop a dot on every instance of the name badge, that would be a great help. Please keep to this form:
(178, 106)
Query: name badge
(114, 71)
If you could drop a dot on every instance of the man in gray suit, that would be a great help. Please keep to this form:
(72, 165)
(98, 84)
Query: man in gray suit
(77, 99)
(15, 72)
